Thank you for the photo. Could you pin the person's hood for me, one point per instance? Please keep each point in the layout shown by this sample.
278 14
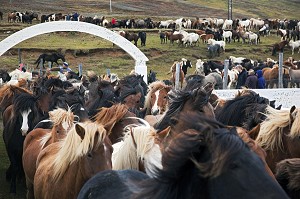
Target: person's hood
259 73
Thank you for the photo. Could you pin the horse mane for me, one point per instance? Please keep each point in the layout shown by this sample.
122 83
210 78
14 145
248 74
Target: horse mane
24 101
135 144
58 117
153 87
272 129
193 157
111 114
72 147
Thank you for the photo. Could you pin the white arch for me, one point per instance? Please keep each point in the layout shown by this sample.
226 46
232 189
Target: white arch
56 26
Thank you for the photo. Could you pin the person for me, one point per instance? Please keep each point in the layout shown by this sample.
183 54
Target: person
242 76
261 82
113 22
251 80
62 69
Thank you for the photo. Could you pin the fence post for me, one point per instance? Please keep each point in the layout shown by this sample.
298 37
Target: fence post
41 67
20 56
80 70
280 74
177 76
225 74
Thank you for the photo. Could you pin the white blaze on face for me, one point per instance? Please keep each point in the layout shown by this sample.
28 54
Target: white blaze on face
25 127
155 107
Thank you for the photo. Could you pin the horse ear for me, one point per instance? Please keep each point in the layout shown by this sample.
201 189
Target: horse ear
164 133
292 116
80 131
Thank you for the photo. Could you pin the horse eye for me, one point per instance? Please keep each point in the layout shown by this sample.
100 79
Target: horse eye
138 101
165 97
89 155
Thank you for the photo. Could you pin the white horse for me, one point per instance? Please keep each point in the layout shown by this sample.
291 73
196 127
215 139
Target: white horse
199 67
227 35
236 60
233 76
191 38
245 24
253 37
179 23
187 24
294 44
227 24
213 42
256 23
218 22
165 24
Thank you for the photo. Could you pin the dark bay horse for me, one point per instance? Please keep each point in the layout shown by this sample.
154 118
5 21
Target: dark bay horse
193 168
143 36
132 37
53 58
279 47
19 119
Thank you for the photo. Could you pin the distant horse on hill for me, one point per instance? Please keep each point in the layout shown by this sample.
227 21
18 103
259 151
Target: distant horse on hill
53 58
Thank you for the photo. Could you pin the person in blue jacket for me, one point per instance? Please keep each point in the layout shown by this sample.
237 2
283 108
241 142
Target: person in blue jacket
261 82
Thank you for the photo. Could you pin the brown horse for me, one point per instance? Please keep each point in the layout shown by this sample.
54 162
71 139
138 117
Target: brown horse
271 76
279 46
132 37
175 37
173 71
114 119
63 167
39 138
7 93
279 135
157 98
11 17
206 37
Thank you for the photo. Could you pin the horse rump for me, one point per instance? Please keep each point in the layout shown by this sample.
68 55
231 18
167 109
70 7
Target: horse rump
142 36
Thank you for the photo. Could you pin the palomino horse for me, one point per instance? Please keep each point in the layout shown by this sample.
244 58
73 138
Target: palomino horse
157 98
173 71
39 138
65 166
201 161
279 135
138 150
19 119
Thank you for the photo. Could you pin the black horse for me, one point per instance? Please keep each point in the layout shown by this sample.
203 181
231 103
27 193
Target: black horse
142 36
151 77
4 75
54 57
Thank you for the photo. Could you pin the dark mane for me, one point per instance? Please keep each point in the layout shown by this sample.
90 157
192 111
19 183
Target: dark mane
234 111
194 81
177 100
193 157
24 101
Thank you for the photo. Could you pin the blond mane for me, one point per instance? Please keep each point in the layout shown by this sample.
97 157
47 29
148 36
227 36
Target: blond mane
111 114
153 87
271 130
128 152
73 147
59 117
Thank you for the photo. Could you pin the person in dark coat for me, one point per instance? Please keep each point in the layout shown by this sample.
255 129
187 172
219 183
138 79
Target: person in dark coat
261 82
242 76
251 80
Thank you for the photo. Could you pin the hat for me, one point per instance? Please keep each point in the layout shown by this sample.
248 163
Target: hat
66 64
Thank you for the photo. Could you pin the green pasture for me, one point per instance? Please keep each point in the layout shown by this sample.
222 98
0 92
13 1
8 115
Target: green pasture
98 54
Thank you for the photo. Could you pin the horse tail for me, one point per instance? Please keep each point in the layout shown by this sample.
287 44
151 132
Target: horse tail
38 60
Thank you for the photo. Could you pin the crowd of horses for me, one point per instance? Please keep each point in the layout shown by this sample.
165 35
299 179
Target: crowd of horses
92 137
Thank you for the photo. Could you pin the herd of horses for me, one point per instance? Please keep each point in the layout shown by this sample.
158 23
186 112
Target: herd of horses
126 139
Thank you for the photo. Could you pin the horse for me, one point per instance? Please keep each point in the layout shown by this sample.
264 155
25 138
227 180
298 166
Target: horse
185 65
271 76
142 35
114 119
279 134
85 151
53 58
214 50
175 37
287 175
19 119
173 71
156 101
215 79
213 42
151 77
193 168
39 138
193 98
236 111
132 37
279 47
294 77
163 38
294 44
137 150
206 37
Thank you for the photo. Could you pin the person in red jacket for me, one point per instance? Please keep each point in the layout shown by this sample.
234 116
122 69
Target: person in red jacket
113 22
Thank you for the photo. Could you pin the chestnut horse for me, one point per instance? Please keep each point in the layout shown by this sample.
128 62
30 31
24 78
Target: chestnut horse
63 167
206 37
39 138
271 76
279 135
157 98
173 71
